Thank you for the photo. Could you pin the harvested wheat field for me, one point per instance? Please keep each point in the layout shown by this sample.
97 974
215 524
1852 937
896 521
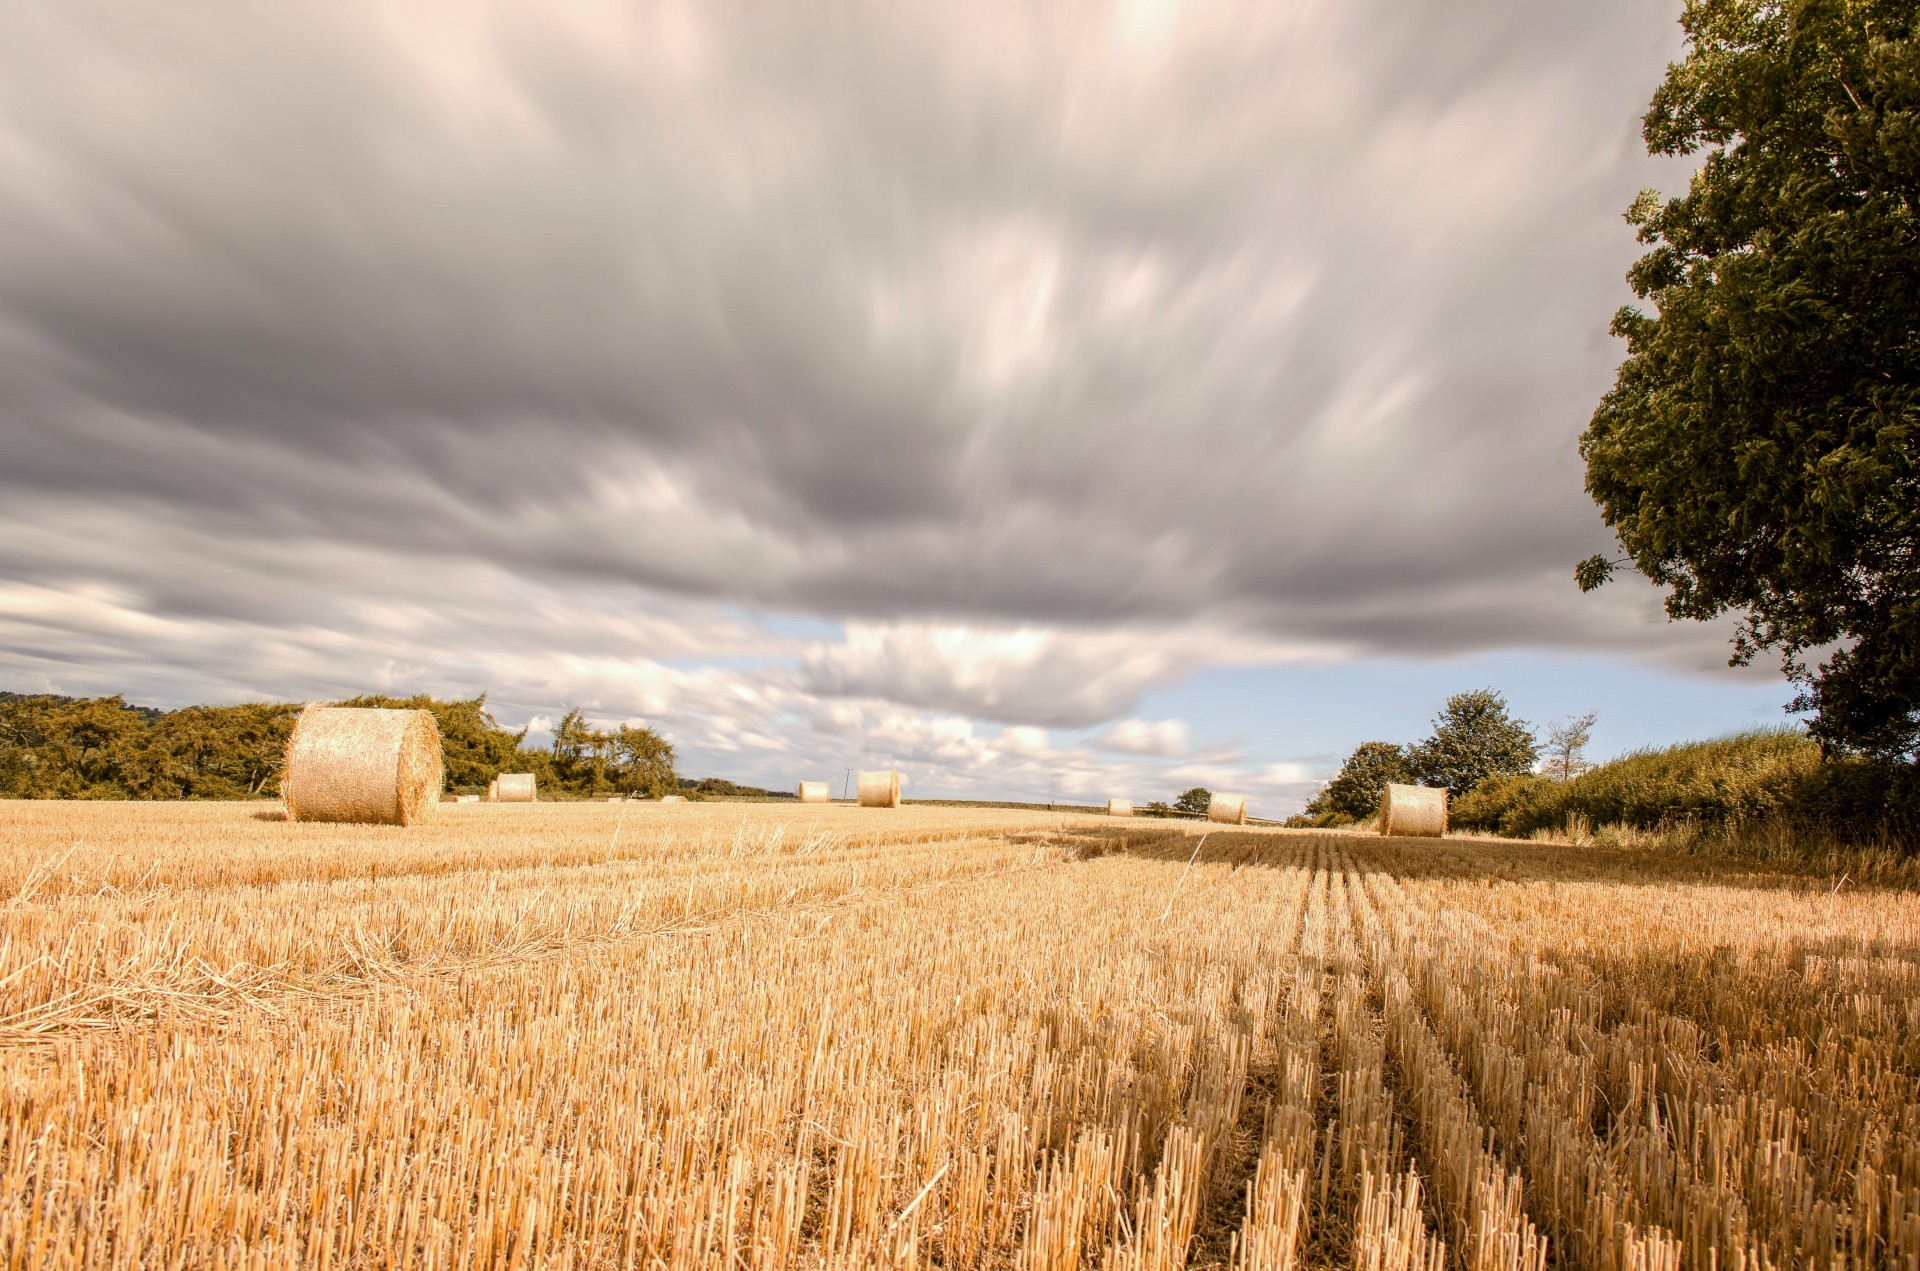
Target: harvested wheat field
592 1035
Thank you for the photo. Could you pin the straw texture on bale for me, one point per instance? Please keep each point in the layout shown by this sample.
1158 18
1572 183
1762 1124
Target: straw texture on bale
1413 812
880 789
514 787
1228 809
815 792
1119 807
362 764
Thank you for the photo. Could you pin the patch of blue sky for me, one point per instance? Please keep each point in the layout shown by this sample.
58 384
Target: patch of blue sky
1317 714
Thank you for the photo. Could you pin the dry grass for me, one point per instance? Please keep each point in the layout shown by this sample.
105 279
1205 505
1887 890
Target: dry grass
592 1035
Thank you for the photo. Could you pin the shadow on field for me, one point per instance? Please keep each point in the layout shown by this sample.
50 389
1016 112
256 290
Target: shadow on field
270 814
1488 860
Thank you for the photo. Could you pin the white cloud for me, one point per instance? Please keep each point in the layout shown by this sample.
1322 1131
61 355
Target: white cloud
1164 737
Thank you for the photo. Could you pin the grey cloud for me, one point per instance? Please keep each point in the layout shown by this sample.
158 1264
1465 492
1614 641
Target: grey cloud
1024 676
1276 323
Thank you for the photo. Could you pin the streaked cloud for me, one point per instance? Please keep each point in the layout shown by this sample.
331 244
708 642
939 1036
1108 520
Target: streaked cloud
1049 355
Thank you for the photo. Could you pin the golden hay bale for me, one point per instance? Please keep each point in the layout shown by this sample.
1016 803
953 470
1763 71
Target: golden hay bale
815 792
514 787
880 789
1119 807
1228 809
1413 811
493 790
362 764
673 798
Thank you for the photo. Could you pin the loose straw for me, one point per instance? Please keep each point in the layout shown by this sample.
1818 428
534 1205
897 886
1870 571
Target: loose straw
1183 875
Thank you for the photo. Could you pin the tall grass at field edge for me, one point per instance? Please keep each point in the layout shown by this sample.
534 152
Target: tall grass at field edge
1769 792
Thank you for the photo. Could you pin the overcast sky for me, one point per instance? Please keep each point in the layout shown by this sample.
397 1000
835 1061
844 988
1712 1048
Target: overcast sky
1104 398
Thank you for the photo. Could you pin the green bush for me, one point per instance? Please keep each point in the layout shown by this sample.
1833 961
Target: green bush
1776 775
1511 803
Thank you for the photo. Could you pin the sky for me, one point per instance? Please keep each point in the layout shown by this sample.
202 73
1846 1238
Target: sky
1058 400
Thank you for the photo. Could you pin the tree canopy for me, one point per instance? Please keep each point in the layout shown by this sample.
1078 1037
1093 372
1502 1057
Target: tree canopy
1198 799
1759 452
1473 738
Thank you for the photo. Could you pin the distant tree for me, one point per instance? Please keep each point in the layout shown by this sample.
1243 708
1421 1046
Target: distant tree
1759 452
1473 738
1155 808
1198 799
1354 792
642 762
1567 744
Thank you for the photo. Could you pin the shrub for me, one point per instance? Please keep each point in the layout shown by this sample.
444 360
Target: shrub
1775 775
1511 803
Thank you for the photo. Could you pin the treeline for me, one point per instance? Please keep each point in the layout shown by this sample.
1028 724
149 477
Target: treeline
102 748
1775 777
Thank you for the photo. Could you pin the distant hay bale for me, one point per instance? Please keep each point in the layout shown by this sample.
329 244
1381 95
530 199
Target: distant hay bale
880 789
514 787
468 798
493 790
673 798
815 792
1413 812
1119 807
1228 809
362 764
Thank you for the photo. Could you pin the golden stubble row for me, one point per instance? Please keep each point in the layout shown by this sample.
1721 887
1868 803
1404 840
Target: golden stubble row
896 1078
51 848
1652 1139
1042 1046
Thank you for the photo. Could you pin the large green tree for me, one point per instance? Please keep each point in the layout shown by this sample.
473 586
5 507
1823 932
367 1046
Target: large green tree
1473 738
1759 452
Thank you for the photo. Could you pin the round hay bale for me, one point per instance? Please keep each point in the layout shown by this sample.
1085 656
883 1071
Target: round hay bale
1228 809
1413 812
362 764
1119 807
514 787
880 789
673 798
815 792
493 790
